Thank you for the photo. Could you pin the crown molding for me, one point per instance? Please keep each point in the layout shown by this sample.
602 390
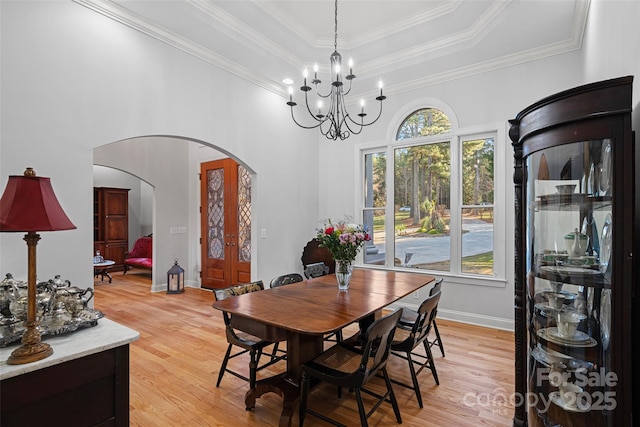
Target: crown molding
471 35
403 25
486 66
246 32
366 38
125 17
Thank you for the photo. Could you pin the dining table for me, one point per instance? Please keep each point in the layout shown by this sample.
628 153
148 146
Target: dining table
303 313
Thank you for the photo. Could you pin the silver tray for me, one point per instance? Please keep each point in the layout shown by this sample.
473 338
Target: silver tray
11 331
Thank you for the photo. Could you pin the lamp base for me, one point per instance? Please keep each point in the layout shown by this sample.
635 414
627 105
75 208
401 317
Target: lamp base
32 349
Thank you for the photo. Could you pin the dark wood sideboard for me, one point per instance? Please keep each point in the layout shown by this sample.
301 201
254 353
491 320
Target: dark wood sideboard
83 389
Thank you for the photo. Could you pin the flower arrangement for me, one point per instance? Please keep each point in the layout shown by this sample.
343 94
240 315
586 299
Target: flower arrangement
343 240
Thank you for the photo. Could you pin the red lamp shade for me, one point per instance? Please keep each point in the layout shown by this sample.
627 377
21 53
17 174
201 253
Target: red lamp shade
29 205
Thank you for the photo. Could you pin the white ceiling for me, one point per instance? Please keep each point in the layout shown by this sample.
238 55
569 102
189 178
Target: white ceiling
406 43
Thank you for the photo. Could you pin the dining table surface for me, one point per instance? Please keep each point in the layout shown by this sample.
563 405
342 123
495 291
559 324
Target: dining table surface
303 313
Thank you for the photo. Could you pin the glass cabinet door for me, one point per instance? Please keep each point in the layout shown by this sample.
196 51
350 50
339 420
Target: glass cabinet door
568 233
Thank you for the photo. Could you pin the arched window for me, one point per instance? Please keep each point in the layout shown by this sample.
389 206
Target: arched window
436 211
424 122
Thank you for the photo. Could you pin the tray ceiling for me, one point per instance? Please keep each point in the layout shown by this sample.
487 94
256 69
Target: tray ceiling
407 44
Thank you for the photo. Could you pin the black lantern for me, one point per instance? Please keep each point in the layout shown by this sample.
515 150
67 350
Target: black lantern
175 279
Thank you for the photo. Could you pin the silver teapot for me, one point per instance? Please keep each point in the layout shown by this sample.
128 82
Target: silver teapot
18 299
6 291
74 299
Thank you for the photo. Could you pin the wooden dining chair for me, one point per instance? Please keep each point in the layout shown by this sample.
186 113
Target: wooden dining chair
247 343
409 337
409 317
285 279
316 269
313 252
346 366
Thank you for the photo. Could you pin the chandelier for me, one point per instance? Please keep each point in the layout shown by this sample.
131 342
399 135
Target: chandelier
335 122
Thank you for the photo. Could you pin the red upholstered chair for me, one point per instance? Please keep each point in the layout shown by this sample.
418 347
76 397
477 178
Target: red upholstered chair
141 255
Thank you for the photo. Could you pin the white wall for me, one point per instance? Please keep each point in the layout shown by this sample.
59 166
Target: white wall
612 44
73 80
146 209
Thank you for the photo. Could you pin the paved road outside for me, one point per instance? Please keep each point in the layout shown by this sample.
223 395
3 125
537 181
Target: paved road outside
477 239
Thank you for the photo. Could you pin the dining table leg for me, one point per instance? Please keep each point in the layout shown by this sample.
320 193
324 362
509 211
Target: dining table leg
300 349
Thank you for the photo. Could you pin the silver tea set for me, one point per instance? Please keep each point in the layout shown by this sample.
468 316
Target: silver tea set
60 308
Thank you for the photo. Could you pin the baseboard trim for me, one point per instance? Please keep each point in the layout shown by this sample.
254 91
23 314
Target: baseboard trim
470 318
477 319
162 287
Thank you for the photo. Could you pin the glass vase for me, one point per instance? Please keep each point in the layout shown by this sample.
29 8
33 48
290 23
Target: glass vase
343 273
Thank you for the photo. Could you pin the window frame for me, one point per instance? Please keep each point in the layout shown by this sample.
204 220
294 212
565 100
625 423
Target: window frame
456 137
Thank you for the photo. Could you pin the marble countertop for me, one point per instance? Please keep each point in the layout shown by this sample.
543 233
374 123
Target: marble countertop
106 335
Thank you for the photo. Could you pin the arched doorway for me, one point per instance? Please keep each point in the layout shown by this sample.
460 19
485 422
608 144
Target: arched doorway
171 165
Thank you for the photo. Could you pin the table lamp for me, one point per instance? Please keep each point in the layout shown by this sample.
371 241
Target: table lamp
30 205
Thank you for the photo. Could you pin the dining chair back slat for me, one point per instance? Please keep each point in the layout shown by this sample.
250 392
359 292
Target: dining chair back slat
316 269
285 279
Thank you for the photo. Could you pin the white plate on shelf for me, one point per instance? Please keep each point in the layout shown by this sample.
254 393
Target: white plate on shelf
550 357
605 317
544 308
569 269
580 340
605 244
605 170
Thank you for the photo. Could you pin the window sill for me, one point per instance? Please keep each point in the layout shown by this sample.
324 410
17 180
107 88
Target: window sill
474 280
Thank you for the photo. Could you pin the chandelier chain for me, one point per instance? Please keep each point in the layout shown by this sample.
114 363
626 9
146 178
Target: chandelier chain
335 39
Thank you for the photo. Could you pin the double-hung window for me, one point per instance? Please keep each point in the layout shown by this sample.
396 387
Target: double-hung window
429 198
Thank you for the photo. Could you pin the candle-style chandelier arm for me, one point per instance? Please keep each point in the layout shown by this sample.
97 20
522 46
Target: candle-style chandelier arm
361 123
335 85
306 126
319 118
321 95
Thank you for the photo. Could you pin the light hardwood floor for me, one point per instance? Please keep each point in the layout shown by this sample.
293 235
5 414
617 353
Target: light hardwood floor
174 367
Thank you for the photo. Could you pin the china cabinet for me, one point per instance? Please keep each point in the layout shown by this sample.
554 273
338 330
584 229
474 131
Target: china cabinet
111 224
576 234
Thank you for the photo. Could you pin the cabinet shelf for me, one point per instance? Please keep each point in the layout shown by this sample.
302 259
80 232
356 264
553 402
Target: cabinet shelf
572 202
551 358
573 275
